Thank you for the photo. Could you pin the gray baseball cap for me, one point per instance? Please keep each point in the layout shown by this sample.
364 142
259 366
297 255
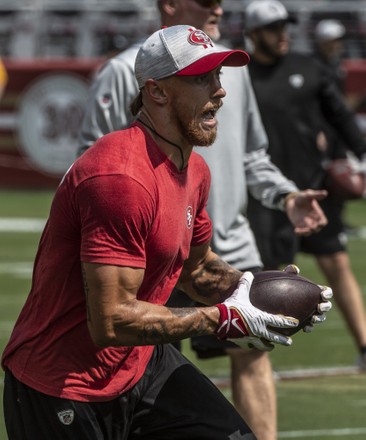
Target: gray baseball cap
182 50
260 13
327 30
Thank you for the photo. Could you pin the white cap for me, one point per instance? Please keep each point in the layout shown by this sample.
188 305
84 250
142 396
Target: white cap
327 30
260 13
182 50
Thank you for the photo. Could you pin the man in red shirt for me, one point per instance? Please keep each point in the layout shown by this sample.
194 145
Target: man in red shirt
89 357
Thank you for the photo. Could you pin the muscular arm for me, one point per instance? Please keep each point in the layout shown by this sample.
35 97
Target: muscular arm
207 278
116 317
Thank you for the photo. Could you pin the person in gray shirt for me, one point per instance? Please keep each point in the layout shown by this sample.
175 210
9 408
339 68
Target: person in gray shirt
239 163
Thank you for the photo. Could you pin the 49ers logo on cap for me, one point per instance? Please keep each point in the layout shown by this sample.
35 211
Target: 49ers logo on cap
199 38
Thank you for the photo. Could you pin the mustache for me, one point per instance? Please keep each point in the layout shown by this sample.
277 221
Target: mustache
213 107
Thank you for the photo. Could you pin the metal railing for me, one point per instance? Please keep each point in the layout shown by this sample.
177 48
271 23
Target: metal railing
91 28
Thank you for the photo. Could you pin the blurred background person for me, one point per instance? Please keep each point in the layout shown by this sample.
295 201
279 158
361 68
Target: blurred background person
3 78
298 101
329 48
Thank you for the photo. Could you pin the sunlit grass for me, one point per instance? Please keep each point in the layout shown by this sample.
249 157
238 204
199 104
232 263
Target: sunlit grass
319 403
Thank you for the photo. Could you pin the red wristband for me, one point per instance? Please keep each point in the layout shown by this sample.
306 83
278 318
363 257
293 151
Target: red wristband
231 323
224 322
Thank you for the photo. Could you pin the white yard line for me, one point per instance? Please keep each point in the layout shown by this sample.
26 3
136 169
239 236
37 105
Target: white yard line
23 269
21 224
319 433
305 373
309 373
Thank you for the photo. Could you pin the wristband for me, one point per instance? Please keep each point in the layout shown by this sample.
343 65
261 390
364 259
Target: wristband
231 323
284 200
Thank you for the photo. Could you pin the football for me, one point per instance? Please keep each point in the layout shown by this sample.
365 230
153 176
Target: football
343 181
286 293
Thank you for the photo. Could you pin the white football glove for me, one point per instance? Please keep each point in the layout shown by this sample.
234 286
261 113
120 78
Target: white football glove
245 324
323 307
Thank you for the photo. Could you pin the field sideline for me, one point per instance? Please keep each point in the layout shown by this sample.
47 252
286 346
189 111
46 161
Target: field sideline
321 394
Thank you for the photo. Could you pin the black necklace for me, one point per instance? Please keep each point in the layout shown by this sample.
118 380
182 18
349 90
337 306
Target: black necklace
166 140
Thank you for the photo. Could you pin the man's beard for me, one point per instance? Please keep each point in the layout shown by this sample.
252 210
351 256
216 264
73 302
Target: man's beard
197 137
267 50
191 129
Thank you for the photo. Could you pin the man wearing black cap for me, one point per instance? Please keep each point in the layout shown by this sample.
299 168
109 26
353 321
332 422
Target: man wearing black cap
298 101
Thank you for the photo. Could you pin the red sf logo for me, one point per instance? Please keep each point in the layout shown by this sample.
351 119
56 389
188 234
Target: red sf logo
199 38
189 217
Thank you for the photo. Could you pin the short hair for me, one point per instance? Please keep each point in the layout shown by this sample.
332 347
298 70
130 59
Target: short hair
136 104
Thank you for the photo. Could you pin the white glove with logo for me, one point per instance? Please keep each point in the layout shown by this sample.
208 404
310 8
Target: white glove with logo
245 324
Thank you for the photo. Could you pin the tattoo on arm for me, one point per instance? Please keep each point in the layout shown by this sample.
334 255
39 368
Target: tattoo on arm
163 332
216 278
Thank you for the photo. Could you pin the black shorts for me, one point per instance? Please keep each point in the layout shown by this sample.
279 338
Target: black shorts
205 347
277 242
173 400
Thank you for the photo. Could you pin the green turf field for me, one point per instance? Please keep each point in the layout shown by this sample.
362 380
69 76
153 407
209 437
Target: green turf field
322 406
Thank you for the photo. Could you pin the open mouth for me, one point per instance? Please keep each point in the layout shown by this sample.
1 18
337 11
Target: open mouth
209 115
209 120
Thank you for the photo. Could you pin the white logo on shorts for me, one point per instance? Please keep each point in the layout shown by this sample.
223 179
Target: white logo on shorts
296 80
66 417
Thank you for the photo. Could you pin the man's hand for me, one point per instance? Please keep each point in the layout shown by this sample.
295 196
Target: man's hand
245 324
303 210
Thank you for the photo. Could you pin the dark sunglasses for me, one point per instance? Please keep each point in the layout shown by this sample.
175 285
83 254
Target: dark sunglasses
208 3
278 26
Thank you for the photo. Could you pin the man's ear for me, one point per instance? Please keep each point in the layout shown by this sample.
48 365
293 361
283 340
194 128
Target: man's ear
156 91
168 6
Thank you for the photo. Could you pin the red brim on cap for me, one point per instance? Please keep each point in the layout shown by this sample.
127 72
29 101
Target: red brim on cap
232 58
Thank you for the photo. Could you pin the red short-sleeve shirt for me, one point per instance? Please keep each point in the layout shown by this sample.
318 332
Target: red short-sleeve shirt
122 203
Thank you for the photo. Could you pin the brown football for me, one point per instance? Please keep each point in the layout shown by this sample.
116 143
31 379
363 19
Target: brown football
344 183
286 293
